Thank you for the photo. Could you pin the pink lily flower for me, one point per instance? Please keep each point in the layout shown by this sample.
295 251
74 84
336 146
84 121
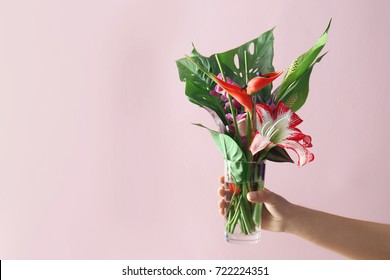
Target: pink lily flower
278 127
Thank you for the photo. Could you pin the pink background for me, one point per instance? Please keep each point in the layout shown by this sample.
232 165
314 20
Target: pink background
98 157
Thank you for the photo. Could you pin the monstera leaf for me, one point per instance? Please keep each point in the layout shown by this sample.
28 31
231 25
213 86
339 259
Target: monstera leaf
240 64
250 58
198 85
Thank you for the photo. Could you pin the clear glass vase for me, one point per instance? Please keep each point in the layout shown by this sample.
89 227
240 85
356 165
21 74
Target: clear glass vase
243 218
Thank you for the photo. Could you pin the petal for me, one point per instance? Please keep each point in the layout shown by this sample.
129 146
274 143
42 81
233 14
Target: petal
257 83
281 109
264 112
229 117
218 89
236 92
304 155
295 134
233 188
241 124
224 98
241 116
259 143
307 141
236 104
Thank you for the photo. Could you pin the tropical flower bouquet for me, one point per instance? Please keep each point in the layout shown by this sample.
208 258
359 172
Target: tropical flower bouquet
254 123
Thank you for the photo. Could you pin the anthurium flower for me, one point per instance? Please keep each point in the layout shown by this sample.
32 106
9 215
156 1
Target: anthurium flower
259 82
278 127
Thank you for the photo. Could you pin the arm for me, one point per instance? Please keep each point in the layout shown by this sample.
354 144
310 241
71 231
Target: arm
353 238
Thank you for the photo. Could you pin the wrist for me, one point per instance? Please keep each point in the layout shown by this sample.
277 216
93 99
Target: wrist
295 214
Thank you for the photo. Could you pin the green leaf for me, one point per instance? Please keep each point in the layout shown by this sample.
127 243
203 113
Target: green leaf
300 65
296 95
226 145
253 56
231 151
259 54
198 85
278 154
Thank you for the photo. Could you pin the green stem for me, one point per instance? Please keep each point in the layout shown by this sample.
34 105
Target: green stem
246 68
232 109
249 156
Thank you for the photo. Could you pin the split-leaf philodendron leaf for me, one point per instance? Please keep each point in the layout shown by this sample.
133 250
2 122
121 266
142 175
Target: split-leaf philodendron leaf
239 64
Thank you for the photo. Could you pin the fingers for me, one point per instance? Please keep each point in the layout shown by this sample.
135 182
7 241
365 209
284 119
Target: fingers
222 206
260 196
221 191
222 211
222 203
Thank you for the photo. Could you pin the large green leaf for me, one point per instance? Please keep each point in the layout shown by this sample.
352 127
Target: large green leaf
300 65
198 84
295 96
226 145
253 56
232 152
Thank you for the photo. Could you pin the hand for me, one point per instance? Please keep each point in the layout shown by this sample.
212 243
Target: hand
276 213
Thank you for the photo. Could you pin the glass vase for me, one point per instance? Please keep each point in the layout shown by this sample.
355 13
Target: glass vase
243 218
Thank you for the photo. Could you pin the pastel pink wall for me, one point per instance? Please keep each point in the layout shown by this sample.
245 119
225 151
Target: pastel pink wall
98 157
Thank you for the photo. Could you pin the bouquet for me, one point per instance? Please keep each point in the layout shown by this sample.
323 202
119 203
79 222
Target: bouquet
255 123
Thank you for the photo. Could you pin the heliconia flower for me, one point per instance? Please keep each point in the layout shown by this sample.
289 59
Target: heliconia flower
278 128
240 94
223 94
220 90
236 92
259 82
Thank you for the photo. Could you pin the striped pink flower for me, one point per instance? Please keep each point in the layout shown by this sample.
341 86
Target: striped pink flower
278 127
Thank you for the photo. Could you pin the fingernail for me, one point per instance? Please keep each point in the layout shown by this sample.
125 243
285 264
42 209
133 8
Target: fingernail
251 196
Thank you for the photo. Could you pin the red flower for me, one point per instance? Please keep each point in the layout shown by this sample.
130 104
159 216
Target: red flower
233 188
278 127
236 92
242 95
254 85
259 82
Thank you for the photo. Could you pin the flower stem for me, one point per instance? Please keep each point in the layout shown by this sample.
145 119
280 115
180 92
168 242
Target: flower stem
232 109
246 68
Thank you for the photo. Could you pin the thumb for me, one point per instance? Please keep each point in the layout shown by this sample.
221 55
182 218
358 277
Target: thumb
259 196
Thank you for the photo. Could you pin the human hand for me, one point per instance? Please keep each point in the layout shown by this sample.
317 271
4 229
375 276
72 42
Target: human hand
276 213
